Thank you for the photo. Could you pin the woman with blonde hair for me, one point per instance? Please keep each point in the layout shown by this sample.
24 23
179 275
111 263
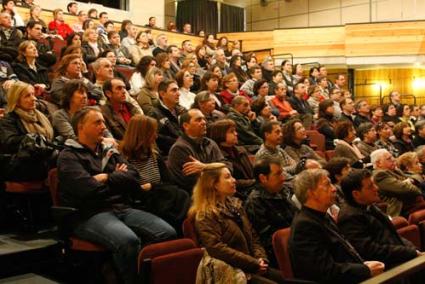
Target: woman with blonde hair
22 123
91 45
409 164
223 228
28 70
158 195
148 96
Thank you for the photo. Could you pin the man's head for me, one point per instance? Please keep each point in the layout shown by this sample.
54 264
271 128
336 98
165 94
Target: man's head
5 20
314 189
367 133
347 105
152 22
323 72
335 95
420 151
241 104
299 89
114 38
88 125
220 56
58 15
114 89
103 17
255 72
340 80
280 90
102 68
362 107
359 188
162 41
34 30
187 46
169 93
395 97
269 173
272 133
193 123
82 16
420 129
72 8
187 28
382 160
173 52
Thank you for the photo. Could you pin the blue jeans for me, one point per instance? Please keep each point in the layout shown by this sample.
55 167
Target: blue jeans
119 232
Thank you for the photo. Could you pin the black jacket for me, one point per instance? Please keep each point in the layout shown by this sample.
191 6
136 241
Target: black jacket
373 235
403 146
29 75
269 213
168 126
320 253
78 164
359 119
418 141
300 105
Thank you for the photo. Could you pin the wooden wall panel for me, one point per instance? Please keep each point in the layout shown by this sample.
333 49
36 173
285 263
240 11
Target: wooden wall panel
382 39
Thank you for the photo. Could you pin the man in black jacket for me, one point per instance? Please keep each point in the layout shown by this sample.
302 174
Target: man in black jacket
317 249
166 113
366 227
97 180
268 206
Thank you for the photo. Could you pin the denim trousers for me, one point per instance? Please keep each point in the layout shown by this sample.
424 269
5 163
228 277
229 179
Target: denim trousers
124 232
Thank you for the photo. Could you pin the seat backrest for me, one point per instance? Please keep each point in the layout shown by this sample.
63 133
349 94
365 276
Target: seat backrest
330 154
317 138
280 248
411 233
173 261
417 216
189 230
399 222
179 267
53 186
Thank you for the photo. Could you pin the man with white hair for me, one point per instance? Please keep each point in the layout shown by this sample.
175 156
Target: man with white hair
220 59
317 249
396 189
161 44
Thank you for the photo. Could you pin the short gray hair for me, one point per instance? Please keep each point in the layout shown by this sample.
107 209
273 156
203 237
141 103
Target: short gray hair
96 65
376 156
307 180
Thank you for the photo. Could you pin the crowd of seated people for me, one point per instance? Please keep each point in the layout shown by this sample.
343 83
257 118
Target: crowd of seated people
209 123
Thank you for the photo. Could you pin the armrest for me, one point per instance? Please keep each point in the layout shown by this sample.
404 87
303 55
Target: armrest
62 213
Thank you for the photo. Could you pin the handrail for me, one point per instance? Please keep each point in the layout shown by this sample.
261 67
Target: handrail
401 97
399 272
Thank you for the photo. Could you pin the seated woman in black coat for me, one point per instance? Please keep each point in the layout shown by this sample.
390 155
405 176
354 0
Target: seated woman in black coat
158 195
223 132
28 70
403 135
326 123
23 118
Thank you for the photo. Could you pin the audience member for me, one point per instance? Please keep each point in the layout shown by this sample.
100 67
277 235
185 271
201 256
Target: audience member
35 13
344 146
368 229
223 132
340 82
231 89
409 164
9 7
395 98
189 156
272 134
348 110
281 104
58 25
166 112
403 138
367 134
255 74
185 81
101 195
300 105
268 206
10 37
82 17
92 13
338 168
121 52
91 46
287 76
420 134
151 23
399 192
72 8
22 124
390 114
326 123
158 195
384 141
223 227
46 57
137 79
130 39
377 114
317 249
294 139
161 44
148 96
362 112
141 48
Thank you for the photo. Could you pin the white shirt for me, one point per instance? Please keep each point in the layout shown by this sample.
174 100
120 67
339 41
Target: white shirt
187 98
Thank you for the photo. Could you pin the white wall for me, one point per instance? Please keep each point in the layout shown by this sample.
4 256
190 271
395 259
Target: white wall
139 12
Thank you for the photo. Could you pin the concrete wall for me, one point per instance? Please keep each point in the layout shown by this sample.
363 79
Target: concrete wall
139 10
312 13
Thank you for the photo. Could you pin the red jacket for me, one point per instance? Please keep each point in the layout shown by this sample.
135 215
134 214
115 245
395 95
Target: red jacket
227 97
61 28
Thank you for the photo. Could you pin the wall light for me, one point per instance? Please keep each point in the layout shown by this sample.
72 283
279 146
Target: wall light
418 83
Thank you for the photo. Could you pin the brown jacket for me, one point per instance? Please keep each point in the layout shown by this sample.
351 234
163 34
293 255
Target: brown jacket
114 122
223 239
147 99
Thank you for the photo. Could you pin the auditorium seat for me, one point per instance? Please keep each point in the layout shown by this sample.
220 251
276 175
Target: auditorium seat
418 218
330 154
316 139
399 222
411 233
280 247
189 230
170 262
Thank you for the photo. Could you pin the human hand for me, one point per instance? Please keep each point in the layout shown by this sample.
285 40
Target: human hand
121 167
193 166
102 178
419 253
7 84
293 112
263 266
375 267
251 115
272 118
146 186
